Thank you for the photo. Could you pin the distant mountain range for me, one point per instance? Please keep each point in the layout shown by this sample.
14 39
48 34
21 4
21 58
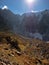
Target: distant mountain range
25 24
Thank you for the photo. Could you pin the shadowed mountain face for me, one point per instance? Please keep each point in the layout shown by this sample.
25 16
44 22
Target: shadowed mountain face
26 23
30 22
8 18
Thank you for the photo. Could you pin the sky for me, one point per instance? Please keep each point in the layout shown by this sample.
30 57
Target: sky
20 6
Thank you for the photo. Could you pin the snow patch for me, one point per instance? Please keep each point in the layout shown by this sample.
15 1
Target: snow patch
34 11
4 7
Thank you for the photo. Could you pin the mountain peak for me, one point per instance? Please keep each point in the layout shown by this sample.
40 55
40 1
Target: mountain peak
4 7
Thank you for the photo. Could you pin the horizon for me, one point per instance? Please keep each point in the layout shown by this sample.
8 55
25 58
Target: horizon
5 7
21 6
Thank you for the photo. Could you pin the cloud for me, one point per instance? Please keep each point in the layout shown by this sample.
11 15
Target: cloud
4 7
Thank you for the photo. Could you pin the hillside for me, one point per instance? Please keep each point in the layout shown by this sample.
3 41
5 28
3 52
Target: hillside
19 50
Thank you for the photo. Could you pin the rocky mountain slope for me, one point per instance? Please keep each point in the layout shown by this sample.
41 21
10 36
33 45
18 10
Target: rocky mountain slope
26 23
19 50
8 20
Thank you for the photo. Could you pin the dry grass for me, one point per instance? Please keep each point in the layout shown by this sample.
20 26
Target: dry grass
31 53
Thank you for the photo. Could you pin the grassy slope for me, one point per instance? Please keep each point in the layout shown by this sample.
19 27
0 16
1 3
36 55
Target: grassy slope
33 52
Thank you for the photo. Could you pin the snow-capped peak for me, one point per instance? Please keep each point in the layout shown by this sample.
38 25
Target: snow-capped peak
4 7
